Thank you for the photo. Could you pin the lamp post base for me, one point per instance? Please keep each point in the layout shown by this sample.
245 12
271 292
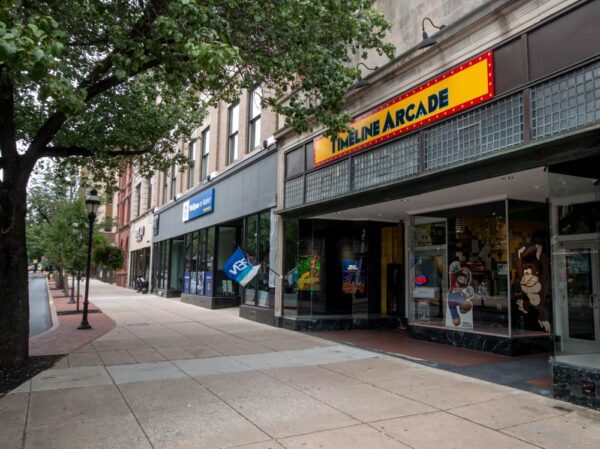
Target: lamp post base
84 325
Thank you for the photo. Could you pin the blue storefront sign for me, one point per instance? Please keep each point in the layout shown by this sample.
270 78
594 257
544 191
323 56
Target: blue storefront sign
201 204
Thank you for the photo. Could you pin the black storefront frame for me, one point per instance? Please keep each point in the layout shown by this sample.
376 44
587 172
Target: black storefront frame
207 261
161 268
204 259
258 254
145 256
361 240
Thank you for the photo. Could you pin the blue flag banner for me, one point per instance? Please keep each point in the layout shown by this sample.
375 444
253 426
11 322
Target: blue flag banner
239 269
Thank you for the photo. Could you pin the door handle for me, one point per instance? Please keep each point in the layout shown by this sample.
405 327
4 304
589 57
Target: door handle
593 304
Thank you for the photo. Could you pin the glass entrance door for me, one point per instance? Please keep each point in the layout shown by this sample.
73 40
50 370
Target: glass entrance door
576 269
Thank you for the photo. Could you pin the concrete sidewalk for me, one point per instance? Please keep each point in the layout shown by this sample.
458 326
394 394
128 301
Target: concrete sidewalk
172 375
529 372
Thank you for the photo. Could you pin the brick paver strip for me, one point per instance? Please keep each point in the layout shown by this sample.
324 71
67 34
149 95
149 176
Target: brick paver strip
66 338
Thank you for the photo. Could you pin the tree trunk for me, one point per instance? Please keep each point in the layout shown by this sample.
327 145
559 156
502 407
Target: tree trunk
65 276
59 279
14 288
14 282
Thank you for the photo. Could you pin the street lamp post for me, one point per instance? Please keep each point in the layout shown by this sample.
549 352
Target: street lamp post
78 281
92 202
72 300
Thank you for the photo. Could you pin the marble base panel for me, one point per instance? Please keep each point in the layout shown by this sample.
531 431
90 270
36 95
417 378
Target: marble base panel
481 342
209 302
337 323
167 293
262 315
568 384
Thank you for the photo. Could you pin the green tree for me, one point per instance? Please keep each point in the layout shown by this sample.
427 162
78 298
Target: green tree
49 195
95 81
110 257
64 239
36 243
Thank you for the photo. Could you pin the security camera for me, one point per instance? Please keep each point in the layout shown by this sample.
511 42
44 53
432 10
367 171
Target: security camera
269 141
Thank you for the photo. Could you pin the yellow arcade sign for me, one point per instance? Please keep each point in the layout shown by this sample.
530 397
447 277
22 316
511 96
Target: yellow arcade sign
458 89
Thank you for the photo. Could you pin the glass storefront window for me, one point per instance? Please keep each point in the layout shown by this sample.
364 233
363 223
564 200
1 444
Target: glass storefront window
575 215
354 271
530 286
311 280
226 244
187 279
185 263
210 249
582 218
250 248
429 266
257 235
327 268
164 263
459 276
155 266
202 249
195 288
263 242
177 264
140 263
290 278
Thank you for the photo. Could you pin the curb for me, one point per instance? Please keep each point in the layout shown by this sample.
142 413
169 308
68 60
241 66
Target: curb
53 314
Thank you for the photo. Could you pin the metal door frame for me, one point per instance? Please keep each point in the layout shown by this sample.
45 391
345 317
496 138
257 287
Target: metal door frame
575 345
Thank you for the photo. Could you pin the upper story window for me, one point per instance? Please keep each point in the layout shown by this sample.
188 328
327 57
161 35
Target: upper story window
173 181
138 199
165 187
149 194
192 163
127 216
255 109
204 156
108 225
234 127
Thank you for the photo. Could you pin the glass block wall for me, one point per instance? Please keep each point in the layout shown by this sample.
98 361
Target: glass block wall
486 130
294 192
561 104
567 102
329 182
387 163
